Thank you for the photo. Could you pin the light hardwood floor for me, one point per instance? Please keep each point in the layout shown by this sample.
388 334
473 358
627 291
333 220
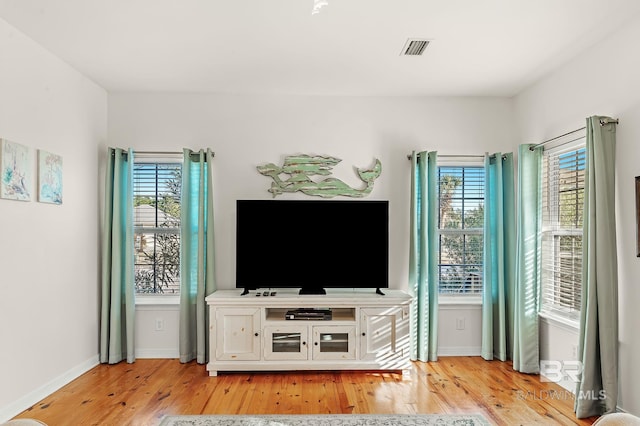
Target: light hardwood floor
141 393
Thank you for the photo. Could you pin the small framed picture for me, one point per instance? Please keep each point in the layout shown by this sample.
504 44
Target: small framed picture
637 216
49 177
16 171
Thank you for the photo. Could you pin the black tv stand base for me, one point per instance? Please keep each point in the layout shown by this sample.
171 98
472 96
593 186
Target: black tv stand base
378 291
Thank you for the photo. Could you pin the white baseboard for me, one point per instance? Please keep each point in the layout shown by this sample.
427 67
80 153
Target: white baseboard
47 389
157 353
460 351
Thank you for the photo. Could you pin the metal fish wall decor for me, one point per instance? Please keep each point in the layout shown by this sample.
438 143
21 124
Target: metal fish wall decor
300 168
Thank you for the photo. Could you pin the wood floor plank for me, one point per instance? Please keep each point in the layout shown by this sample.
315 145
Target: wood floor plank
258 390
141 393
282 402
232 397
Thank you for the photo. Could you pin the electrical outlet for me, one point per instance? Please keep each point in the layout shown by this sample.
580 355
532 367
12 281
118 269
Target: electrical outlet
159 324
460 323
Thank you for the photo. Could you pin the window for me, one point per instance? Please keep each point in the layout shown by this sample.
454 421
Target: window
563 175
460 224
156 206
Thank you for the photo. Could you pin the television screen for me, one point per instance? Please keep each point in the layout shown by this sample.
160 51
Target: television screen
312 245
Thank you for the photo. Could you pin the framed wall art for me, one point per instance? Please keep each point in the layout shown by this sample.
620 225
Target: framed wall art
16 171
49 177
637 216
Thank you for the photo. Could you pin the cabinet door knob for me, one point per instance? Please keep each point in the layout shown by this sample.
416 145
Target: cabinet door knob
304 343
256 334
316 343
364 334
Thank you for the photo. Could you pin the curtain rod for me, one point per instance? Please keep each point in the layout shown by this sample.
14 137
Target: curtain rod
459 156
213 154
603 121
157 152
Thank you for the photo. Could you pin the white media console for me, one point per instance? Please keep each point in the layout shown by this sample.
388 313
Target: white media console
365 331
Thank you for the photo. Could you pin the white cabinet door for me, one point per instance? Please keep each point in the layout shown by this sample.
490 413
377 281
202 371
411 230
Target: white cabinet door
238 334
379 332
334 342
287 342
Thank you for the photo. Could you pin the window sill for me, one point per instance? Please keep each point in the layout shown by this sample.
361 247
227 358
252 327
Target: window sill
157 300
475 300
571 325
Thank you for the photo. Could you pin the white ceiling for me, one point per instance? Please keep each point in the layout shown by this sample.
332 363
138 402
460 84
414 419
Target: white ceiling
351 47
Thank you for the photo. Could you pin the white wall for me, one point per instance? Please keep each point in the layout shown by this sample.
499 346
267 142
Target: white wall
48 253
602 81
459 329
247 131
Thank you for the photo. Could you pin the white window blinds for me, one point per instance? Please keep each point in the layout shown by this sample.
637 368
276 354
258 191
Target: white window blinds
563 182
461 221
156 201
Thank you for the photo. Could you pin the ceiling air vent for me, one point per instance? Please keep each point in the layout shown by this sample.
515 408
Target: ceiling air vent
414 47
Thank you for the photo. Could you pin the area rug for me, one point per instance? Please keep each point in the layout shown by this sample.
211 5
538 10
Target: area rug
328 420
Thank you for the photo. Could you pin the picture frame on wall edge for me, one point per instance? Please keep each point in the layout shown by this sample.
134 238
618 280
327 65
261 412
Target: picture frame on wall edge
637 216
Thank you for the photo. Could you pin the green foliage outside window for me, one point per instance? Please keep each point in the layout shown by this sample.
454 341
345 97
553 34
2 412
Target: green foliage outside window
461 201
157 236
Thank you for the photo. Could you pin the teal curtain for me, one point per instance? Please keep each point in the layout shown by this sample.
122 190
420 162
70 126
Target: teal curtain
423 262
526 351
499 257
118 300
597 391
197 254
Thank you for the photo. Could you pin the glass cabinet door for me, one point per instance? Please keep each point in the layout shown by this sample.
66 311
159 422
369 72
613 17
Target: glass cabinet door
334 342
287 342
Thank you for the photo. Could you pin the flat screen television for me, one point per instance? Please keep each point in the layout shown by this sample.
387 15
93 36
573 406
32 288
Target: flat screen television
312 244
